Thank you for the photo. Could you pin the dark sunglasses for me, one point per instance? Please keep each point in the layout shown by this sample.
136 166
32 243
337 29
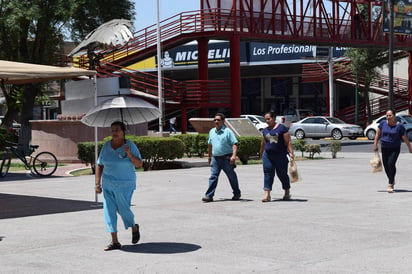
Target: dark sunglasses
218 120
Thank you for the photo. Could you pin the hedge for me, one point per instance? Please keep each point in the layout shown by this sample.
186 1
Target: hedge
248 146
195 144
6 136
155 151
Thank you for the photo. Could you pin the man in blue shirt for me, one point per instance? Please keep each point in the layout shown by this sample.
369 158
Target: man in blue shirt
222 149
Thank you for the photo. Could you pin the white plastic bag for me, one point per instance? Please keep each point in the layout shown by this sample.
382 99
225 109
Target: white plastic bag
376 163
294 175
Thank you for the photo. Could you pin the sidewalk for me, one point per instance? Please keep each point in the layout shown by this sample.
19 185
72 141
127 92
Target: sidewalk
340 220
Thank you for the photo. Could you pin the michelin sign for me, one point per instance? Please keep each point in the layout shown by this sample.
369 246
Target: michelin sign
250 52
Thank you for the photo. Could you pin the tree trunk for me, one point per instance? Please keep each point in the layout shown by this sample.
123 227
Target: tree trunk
29 95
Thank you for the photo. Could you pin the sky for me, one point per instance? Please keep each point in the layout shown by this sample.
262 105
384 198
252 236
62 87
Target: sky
146 10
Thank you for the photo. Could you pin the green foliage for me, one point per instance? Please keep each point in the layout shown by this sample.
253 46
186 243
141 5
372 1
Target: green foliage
195 144
85 153
34 32
299 145
155 151
312 149
86 19
248 146
334 146
6 136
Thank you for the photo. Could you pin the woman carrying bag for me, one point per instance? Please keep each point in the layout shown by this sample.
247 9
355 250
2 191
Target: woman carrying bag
274 149
390 133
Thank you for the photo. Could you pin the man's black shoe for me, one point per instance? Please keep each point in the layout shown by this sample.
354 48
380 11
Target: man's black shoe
236 197
207 199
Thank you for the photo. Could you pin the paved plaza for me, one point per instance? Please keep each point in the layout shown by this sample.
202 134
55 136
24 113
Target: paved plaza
340 220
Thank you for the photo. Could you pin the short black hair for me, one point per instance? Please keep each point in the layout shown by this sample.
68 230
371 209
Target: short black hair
221 115
119 123
271 114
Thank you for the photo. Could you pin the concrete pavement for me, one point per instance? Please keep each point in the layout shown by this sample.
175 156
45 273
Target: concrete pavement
340 220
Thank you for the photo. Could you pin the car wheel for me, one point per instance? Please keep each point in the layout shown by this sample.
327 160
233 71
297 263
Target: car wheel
409 135
299 134
336 134
371 134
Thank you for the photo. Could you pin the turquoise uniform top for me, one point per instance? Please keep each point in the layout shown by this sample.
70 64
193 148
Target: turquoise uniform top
118 171
222 141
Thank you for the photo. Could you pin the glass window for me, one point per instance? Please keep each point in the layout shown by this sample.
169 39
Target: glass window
309 121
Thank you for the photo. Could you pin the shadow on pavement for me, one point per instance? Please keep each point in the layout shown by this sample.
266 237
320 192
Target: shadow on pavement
15 206
291 200
161 248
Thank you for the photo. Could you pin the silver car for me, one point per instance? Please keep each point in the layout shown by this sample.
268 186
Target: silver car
324 126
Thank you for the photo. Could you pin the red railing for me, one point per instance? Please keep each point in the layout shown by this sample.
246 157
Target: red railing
312 25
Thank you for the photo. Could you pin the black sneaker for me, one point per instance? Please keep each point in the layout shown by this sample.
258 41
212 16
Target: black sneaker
236 197
207 199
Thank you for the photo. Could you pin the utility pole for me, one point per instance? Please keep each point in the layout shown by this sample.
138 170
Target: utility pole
390 94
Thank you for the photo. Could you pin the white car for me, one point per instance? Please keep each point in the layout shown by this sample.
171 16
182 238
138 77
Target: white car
406 120
257 120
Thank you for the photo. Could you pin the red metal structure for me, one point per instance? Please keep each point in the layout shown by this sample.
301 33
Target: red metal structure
312 22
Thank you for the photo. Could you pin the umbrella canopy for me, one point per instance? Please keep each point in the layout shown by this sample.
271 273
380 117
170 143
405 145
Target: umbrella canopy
23 73
113 33
129 110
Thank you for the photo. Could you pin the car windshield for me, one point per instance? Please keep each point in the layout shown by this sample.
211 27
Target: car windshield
407 118
334 120
261 118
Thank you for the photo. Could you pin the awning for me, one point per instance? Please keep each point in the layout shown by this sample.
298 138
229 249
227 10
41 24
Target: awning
24 73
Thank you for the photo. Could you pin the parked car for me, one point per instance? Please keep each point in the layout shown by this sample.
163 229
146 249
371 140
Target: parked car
324 126
257 120
293 115
406 120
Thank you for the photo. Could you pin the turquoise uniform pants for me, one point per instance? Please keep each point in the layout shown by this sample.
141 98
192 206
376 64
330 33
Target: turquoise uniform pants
114 202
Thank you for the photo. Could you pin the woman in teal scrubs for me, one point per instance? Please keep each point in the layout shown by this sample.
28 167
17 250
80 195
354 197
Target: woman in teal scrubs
116 178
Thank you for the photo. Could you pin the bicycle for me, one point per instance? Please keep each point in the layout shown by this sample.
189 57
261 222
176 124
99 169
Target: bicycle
44 164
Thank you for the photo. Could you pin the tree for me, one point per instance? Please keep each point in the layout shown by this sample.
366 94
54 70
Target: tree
33 31
364 63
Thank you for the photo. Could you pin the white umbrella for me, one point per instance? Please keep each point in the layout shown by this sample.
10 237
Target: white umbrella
113 34
129 110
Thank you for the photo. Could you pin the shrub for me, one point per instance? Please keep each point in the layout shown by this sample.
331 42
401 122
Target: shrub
248 146
85 153
334 146
201 145
299 145
155 151
195 144
6 136
312 149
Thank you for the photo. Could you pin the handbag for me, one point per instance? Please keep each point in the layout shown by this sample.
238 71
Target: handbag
376 163
293 171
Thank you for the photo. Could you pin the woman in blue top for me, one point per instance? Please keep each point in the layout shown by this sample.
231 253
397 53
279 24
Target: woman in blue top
390 132
274 148
116 177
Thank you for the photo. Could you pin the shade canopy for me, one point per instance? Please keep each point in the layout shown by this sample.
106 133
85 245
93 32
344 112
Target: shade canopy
24 73
110 34
129 110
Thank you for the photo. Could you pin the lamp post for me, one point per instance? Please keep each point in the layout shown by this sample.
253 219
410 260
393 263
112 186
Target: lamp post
390 94
159 70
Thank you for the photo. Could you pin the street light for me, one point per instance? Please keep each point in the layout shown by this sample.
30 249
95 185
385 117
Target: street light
390 94
159 70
